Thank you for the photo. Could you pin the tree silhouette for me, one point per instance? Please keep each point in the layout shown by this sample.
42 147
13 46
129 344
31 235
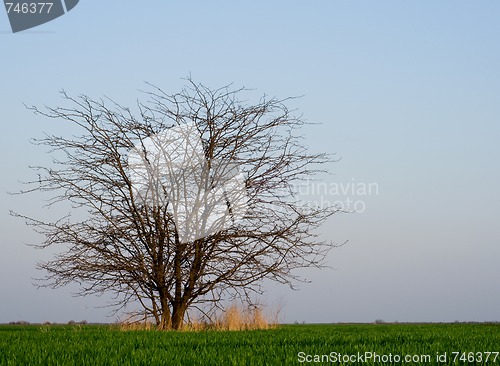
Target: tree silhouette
188 201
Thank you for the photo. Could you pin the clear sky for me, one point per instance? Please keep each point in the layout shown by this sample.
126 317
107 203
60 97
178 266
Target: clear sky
407 94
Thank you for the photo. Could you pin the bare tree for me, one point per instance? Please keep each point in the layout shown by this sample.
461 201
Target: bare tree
191 202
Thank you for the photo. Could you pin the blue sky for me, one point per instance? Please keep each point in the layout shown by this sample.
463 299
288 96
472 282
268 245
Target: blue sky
407 94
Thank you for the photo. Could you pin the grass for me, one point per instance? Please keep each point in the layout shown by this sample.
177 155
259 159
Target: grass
285 345
232 318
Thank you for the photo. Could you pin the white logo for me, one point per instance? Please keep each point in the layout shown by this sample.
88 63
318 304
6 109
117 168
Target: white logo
169 170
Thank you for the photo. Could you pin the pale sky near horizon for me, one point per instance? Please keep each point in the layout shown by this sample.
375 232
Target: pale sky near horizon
407 94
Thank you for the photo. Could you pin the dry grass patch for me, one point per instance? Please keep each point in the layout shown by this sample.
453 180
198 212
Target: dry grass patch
232 318
238 318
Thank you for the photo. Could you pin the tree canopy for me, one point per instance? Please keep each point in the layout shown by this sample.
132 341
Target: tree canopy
185 202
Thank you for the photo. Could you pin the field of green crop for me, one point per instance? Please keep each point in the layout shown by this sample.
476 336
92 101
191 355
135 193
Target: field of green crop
368 344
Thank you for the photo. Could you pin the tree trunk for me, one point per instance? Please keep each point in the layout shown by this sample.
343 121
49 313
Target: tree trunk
165 320
178 316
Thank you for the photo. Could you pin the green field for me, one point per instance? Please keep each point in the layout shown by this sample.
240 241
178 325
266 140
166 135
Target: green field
286 345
